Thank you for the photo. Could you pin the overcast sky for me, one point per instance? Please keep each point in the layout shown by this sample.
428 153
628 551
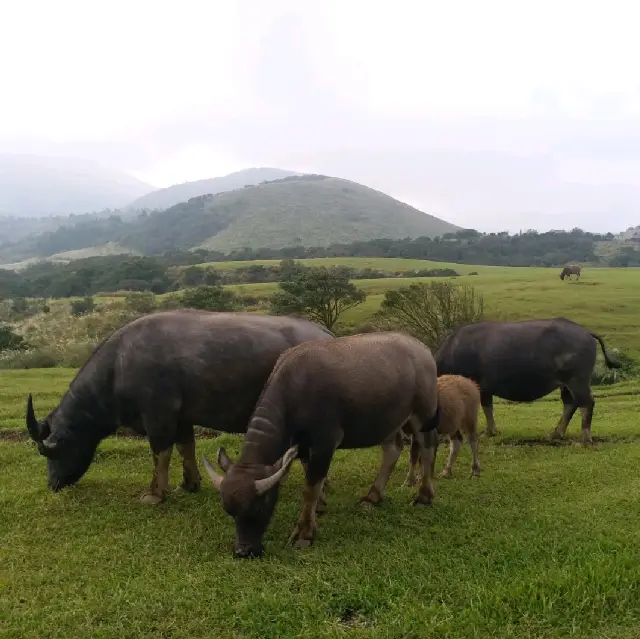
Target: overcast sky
174 91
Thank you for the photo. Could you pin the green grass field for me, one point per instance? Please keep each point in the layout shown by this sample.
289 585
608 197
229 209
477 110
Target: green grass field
607 300
546 543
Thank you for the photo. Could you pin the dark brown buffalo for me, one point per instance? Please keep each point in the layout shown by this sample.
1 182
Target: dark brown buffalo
351 392
524 361
571 269
160 375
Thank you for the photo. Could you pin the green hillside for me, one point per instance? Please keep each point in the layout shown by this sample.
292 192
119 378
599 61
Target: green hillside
309 210
316 211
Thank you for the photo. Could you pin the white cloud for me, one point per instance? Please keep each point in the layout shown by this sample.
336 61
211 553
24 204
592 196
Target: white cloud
181 91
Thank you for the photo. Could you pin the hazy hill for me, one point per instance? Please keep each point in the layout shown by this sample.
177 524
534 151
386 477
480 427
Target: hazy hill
172 195
40 186
308 210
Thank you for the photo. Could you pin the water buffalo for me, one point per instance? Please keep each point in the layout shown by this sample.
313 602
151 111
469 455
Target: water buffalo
524 361
160 375
351 392
571 269
459 404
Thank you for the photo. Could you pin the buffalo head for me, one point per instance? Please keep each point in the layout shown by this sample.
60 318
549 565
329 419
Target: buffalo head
249 494
68 454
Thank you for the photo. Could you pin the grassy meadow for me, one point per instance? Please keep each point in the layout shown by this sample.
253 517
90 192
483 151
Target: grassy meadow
606 300
546 543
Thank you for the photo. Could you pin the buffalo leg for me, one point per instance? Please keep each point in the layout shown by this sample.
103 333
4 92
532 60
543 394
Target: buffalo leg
455 443
321 505
586 403
315 473
569 408
186 446
391 450
429 441
486 399
159 486
473 443
414 462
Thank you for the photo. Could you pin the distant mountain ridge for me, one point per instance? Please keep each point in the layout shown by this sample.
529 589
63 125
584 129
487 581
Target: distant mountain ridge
296 210
172 195
34 186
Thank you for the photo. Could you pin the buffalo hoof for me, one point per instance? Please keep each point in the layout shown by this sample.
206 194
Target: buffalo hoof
410 481
321 508
248 553
475 473
302 536
490 433
447 473
300 544
423 500
151 499
190 487
371 499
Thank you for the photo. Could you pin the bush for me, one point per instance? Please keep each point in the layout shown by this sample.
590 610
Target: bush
140 302
28 359
10 341
604 376
430 311
208 298
82 307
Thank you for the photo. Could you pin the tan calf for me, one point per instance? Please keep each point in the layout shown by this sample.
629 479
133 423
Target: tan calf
459 401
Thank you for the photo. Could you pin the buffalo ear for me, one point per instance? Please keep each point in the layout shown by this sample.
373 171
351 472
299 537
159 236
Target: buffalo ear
223 460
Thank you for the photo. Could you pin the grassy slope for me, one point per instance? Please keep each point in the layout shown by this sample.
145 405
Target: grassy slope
604 299
545 544
315 213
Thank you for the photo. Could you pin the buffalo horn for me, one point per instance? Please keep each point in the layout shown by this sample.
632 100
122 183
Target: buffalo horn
263 485
215 478
32 423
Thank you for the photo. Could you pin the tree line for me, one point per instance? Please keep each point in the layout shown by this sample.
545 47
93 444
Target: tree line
162 273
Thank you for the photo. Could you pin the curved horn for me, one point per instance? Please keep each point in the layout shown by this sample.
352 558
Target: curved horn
215 478
32 422
263 485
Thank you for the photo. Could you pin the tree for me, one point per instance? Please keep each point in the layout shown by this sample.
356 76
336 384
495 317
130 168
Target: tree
83 307
142 302
319 293
430 311
9 340
208 298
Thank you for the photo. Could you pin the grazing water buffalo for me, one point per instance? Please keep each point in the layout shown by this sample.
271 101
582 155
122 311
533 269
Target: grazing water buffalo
160 375
351 392
571 269
524 361
459 403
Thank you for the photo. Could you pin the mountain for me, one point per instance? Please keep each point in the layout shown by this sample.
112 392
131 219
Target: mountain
172 195
33 186
307 210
